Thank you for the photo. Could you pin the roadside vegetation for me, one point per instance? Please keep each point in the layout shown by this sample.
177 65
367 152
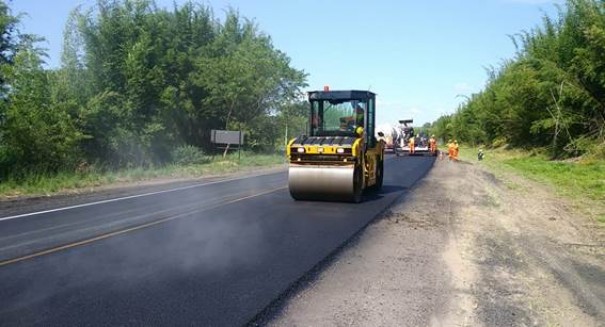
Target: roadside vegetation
36 183
550 96
541 114
580 180
139 88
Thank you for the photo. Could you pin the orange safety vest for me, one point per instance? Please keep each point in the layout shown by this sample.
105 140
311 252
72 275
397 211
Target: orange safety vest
450 148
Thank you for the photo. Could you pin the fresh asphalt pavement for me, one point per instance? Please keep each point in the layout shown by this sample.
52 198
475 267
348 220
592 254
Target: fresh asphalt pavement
213 254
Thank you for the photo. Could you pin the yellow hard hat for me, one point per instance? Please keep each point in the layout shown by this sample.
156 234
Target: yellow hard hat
359 130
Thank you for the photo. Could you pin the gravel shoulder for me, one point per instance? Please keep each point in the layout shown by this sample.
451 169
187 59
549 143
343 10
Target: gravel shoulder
463 248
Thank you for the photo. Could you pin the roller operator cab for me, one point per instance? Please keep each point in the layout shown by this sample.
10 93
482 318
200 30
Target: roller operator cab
341 157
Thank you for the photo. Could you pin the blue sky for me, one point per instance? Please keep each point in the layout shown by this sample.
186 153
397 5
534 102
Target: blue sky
420 57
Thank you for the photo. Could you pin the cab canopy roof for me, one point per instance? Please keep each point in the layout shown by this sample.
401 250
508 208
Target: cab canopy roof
341 95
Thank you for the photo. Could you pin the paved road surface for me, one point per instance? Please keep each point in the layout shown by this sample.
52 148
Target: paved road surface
208 254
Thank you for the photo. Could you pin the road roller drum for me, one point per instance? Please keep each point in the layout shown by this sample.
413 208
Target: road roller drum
323 183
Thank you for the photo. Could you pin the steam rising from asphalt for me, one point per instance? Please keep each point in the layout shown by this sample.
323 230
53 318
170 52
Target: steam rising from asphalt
201 244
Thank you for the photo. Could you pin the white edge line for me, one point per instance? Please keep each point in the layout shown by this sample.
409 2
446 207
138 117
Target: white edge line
127 197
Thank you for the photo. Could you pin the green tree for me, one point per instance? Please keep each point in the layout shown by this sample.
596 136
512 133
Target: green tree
552 94
36 135
8 36
245 77
137 82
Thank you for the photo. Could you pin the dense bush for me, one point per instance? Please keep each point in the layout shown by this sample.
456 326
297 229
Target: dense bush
189 155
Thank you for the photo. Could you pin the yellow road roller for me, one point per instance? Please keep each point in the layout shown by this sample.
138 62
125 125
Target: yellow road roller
340 157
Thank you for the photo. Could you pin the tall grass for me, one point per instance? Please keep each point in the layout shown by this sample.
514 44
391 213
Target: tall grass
570 178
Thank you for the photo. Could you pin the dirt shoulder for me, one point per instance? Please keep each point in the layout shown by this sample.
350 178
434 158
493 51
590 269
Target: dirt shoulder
463 249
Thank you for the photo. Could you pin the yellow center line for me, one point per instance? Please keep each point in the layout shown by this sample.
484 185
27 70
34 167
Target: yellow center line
128 230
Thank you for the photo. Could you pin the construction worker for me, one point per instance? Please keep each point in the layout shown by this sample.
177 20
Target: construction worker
433 145
450 150
359 115
411 144
315 121
456 149
353 122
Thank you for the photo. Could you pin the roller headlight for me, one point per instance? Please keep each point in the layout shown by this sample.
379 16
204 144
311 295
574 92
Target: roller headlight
340 150
301 150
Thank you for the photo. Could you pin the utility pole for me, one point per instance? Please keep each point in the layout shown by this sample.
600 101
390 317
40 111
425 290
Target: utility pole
286 133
